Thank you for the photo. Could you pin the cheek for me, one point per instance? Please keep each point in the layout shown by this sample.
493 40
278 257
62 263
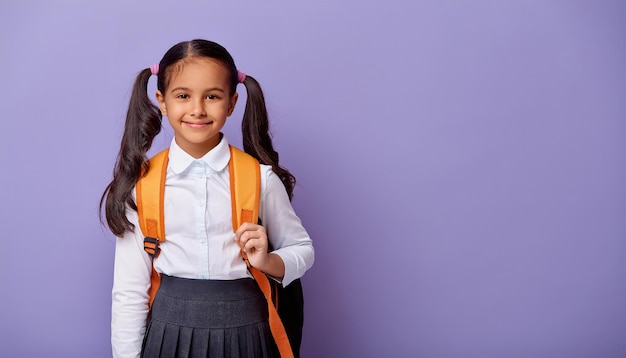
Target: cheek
174 110
166 108
171 122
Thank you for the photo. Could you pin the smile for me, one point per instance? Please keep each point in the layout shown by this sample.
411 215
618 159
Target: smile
197 124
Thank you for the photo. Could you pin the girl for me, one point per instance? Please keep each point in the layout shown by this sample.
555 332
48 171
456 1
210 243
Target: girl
207 304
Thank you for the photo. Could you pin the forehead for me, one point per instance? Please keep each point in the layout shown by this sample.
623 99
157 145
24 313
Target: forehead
198 73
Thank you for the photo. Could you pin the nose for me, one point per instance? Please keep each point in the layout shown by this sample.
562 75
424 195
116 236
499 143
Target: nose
197 109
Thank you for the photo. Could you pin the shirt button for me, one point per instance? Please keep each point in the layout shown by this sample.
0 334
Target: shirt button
201 204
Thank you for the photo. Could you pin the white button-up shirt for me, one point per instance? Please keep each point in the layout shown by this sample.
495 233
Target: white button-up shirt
199 238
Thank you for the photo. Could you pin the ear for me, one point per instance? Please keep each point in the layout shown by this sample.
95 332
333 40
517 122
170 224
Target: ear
233 102
161 100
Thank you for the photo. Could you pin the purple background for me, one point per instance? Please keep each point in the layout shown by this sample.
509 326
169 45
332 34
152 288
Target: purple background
461 167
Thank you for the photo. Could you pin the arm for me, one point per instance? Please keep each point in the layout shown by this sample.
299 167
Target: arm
293 249
131 281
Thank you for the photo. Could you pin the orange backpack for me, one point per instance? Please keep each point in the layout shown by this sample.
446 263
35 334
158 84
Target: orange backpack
245 188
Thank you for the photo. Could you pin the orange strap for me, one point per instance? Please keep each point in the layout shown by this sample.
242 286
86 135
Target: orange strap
150 212
245 198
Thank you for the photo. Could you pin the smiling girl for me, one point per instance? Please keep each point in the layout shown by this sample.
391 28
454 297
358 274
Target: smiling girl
208 304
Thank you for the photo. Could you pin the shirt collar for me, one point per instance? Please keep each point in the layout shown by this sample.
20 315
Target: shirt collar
216 159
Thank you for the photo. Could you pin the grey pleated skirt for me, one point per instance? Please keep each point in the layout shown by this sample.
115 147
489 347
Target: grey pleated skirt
208 318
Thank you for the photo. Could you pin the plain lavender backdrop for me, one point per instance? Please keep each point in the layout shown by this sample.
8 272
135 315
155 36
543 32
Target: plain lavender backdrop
461 167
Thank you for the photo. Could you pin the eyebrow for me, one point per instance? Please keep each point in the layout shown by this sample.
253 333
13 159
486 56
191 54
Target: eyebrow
206 90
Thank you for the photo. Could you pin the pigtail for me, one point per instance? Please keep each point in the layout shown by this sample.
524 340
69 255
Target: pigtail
143 123
256 137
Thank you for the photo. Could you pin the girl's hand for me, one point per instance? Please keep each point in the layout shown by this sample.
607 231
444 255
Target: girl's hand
252 239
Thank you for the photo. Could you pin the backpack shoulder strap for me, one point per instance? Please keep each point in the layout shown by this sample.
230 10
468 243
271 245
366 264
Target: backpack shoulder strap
149 191
245 187
149 195
245 196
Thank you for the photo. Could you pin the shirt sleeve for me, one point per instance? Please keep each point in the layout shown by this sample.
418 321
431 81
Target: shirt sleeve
284 228
131 281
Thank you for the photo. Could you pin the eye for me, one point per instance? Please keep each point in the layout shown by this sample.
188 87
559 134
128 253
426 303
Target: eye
212 96
183 96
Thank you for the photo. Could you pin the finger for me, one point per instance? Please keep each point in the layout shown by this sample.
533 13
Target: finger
254 244
244 237
246 227
249 227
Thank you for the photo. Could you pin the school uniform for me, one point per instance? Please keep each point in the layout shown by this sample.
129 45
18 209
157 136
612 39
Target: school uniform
201 266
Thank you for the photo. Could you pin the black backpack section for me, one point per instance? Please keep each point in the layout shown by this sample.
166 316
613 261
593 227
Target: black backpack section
291 311
290 308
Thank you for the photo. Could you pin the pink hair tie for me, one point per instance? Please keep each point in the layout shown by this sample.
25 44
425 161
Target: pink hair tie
241 76
154 69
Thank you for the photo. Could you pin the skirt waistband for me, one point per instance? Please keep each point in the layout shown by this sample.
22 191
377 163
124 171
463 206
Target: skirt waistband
209 303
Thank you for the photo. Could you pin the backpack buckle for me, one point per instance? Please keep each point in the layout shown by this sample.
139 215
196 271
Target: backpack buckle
151 245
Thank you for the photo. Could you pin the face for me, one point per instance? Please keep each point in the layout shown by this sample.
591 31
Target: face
197 102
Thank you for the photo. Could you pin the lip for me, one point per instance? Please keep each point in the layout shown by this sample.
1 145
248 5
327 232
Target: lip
197 124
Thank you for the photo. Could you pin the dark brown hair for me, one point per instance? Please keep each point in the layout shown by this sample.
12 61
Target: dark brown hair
143 123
